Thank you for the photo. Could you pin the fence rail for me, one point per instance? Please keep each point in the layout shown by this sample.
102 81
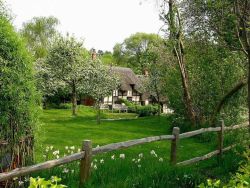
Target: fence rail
87 152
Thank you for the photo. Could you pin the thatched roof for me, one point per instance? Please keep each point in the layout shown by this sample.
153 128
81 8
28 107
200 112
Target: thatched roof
127 77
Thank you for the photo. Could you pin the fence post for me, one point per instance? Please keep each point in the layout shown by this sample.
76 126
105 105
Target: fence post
173 154
221 138
85 165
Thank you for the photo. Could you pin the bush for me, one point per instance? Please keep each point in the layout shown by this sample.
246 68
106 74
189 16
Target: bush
142 111
148 110
18 96
240 180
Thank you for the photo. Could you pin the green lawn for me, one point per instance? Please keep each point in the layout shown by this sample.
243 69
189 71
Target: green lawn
59 129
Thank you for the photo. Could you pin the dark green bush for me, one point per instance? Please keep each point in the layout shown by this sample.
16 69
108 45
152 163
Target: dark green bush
146 110
18 96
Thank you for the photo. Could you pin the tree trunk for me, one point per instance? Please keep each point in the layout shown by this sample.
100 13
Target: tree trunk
248 82
175 36
98 115
74 99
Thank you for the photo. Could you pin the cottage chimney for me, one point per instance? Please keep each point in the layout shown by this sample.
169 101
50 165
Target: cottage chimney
93 55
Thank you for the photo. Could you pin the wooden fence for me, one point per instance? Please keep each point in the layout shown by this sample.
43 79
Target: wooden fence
87 152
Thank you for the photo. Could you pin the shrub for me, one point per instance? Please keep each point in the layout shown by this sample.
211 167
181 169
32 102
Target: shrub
146 110
240 180
142 111
18 96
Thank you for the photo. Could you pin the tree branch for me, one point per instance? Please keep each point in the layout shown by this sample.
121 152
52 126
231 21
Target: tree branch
226 97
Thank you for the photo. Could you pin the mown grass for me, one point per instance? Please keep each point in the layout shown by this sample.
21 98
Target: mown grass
60 129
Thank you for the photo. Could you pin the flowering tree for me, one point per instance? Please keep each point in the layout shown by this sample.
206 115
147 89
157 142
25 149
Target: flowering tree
65 66
99 82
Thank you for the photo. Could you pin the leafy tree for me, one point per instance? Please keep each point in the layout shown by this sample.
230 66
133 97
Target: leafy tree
176 42
66 61
39 33
18 96
99 82
155 82
134 51
228 24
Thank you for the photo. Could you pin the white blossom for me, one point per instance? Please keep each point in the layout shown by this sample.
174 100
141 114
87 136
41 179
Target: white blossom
65 170
161 159
140 155
113 157
122 156
20 183
102 161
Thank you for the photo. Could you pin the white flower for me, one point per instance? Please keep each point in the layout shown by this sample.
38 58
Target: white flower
97 146
65 170
79 150
95 160
113 157
72 171
122 156
139 166
95 167
72 152
102 161
133 160
72 147
57 156
66 147
15 178
20 183
44 156
56 152
161 159
92 164
138 160
51 147
152 152
141 155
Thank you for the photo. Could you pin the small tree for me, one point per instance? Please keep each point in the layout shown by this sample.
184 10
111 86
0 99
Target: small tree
99 82
65 63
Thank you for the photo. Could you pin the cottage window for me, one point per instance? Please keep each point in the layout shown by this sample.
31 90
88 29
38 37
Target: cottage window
129 93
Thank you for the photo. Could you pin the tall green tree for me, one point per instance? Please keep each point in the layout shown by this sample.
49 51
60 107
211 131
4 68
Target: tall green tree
176 41
134 51
228 23
39 33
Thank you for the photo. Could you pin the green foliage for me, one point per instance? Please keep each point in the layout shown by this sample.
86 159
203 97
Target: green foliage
39 33
135 51
147 110
142 111
240 180
18 96
42 183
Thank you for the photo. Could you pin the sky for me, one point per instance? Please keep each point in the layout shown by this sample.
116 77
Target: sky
101 23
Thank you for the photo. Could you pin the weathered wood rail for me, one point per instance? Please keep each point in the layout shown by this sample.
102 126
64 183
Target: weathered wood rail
87 152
